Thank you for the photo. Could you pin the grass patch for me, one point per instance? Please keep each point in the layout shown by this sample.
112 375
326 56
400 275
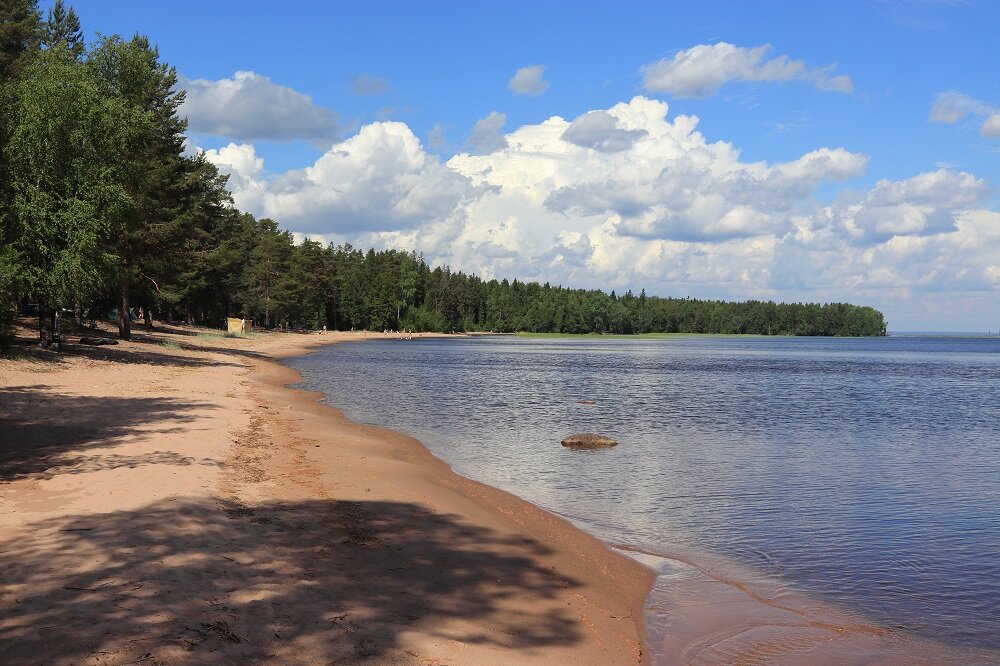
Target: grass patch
225 334
13 354
170 344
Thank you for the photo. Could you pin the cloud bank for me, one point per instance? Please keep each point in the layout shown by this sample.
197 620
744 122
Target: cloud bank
701 70
529 80
629 196
250 107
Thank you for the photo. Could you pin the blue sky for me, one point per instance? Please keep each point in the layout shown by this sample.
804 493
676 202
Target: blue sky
358 122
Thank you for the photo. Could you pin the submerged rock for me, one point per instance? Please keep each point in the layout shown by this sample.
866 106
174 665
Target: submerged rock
588 440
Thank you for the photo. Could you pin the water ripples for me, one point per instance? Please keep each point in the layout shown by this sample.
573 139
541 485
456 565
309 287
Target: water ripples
866 472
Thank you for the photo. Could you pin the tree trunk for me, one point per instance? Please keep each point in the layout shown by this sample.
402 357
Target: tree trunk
56 325
124 321
42 331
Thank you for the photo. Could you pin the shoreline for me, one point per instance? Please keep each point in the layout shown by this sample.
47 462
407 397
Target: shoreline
171 499
633 583
704 607
184 502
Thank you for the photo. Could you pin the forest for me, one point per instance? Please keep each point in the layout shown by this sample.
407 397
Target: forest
102 211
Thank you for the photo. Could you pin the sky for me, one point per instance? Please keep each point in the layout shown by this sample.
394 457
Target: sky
794 151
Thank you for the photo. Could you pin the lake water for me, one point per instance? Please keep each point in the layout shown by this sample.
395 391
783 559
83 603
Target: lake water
863 472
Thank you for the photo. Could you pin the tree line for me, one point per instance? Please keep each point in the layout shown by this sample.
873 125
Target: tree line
102 210
344 287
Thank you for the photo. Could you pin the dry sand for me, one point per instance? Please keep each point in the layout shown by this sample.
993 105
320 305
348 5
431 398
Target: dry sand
169 500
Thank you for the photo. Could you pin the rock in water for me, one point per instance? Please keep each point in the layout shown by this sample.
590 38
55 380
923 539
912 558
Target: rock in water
588 440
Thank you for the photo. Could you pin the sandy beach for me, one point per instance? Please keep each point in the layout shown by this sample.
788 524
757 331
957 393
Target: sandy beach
170 500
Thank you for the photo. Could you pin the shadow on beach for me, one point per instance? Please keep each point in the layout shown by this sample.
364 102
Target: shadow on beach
115 354
44 432
160 341
326 581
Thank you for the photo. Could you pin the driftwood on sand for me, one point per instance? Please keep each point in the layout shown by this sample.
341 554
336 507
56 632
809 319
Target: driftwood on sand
97 341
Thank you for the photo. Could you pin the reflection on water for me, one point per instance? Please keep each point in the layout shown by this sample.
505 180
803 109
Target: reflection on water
862 472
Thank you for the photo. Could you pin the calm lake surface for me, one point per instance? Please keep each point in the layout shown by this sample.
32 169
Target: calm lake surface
865 472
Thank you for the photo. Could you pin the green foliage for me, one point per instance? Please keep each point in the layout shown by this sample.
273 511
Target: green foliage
225 334
395 290
266 288
66 178
20 30
191 252
20 27
155 169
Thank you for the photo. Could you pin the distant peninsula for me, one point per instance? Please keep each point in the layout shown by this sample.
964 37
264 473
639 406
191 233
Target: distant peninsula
398 290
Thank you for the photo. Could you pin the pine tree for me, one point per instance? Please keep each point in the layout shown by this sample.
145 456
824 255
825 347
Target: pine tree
264 286
63 27
184 265
131 72
20 29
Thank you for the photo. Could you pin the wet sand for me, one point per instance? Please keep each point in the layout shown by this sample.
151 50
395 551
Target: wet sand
170 500
706 609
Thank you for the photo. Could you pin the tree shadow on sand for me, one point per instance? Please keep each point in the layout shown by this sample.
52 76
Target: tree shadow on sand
43 430
118 354
316 581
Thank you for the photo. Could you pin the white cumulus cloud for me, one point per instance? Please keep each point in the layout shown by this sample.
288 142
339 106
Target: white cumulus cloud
245 170
990 128
250 106
486 135
701 70
952 106
629 197
926 204
529 80
381 179
600 130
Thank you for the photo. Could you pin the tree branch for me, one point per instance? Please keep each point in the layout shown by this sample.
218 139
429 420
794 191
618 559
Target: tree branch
156 286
